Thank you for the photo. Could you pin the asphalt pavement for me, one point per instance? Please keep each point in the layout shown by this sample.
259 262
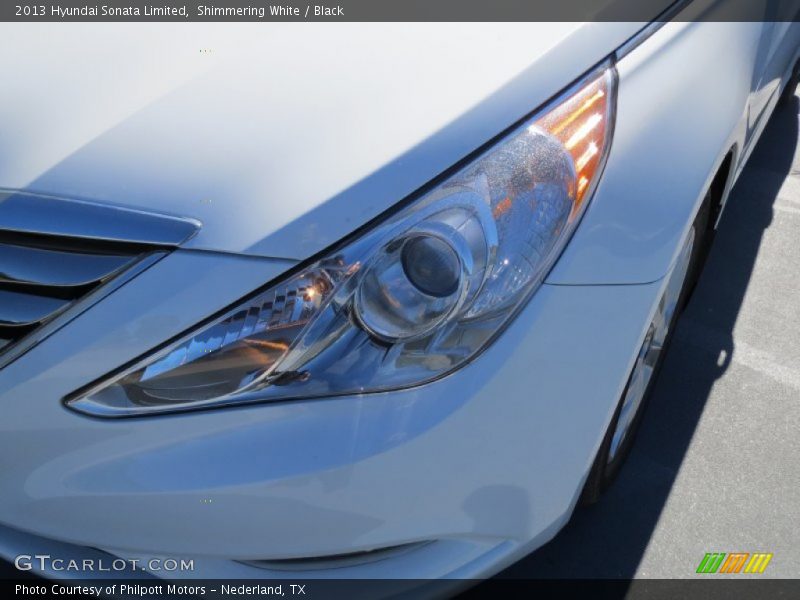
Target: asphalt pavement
715 467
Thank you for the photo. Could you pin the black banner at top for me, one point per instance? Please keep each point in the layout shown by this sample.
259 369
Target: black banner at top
397 10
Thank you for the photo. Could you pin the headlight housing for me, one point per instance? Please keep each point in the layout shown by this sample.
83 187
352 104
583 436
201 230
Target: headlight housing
409 300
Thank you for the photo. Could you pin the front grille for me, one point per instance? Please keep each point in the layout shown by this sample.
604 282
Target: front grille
59 255
41 276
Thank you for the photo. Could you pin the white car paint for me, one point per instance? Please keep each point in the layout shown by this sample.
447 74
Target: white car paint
286 137
280 161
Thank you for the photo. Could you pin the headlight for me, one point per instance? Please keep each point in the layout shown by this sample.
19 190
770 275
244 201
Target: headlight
409 300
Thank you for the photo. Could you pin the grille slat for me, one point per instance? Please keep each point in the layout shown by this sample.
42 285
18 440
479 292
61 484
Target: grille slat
57 252
30 213
43 275
46 267
21 310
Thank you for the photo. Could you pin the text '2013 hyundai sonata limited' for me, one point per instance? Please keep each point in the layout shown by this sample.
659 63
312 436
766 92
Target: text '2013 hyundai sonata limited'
355 300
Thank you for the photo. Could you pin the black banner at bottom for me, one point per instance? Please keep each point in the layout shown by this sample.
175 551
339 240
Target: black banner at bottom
705 588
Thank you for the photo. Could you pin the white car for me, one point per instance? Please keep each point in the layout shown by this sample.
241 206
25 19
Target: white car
356 301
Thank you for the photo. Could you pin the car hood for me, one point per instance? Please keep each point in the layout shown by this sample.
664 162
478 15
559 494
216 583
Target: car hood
279 139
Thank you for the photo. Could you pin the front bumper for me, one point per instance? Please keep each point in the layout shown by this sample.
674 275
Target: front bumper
478 468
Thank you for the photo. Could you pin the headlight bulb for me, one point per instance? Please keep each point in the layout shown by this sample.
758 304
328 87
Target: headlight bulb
431 265
415 283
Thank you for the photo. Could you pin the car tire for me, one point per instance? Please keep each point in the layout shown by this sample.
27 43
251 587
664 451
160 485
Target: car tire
616 445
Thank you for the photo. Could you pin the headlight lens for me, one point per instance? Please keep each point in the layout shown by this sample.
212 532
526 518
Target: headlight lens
408 301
